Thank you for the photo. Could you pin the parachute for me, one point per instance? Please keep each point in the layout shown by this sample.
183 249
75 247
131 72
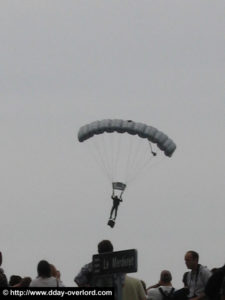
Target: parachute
124 148
144 131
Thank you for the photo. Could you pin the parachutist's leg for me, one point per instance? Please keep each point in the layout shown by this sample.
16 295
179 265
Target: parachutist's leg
116 209
111 213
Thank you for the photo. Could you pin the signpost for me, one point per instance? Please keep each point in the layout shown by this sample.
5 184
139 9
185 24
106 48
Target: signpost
115 263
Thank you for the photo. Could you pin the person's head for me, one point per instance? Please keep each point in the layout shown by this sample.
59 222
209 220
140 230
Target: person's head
191 260
105 246
14 279
165 277
44 269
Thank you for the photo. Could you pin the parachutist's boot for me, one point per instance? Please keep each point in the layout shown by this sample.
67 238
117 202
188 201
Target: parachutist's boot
111 223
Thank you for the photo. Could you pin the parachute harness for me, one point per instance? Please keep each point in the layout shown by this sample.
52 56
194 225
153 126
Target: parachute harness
118 186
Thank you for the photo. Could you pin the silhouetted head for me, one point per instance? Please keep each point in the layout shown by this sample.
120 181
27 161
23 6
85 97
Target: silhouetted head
105 246
191 259
165 276
44 269
14 279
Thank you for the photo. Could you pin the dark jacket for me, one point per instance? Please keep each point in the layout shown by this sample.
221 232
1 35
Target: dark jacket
212 289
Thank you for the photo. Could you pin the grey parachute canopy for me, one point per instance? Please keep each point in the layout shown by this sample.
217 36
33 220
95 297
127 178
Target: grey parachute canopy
124 149
127 126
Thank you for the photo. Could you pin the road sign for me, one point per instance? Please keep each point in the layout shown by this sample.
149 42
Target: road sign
115 262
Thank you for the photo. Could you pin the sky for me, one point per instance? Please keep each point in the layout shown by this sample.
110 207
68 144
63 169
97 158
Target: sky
68 63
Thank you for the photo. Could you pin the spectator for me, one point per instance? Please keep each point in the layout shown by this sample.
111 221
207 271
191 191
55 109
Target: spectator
213 286
85 277
213 270
55 273
3 278
14 280
164 287
223 289
133 289
197 278
44 278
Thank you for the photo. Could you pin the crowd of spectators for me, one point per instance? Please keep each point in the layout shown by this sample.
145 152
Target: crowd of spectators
199 283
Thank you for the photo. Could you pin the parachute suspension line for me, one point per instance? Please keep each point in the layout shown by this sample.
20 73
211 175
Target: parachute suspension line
109 146
150 145
117 151
95 156
100 161
142 167
146 165
106 153
135 156
142 155
99 158
129 157
111 152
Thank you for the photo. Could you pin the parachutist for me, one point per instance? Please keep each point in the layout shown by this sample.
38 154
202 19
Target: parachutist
116 203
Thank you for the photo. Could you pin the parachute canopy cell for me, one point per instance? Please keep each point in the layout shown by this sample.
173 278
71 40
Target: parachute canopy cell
127 126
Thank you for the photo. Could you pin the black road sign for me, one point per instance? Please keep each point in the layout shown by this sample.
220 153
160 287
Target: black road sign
115 262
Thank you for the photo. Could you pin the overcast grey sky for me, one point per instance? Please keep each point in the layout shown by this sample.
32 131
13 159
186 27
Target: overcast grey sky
68 63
